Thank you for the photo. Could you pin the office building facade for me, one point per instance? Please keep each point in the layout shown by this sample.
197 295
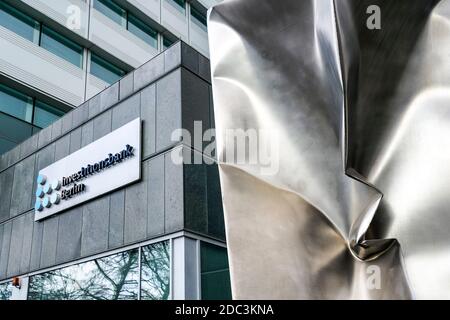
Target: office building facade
160 235
56 54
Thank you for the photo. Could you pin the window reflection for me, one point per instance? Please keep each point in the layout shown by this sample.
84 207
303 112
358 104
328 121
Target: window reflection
155 277
215 274
105 70
111 278
5 291
199 18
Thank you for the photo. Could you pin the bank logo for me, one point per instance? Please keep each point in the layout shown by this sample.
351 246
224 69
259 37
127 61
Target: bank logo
47 193
50 193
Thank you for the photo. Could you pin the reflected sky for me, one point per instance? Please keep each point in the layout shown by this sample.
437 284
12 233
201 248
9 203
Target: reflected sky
115 277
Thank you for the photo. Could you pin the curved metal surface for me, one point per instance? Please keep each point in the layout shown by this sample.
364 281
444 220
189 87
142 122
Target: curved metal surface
363 120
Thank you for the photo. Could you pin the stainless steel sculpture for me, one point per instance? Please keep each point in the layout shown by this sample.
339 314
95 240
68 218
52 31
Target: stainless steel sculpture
363 118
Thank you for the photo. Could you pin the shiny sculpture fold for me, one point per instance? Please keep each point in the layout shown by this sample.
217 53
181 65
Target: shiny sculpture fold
359 207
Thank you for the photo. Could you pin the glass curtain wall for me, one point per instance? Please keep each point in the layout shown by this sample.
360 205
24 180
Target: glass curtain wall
215 273
115 277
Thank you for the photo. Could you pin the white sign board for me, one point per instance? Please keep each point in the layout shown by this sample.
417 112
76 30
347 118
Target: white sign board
106 164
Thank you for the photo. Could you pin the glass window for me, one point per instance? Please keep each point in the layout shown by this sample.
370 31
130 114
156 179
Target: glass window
44 114
198 18
143 31
112 11
215 275
5 146
15 103
111 278
155 273
62 47
19 23
179 4
5 291
167 43
105 70
12 132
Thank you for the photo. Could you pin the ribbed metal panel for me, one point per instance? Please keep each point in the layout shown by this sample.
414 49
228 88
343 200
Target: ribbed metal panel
54 71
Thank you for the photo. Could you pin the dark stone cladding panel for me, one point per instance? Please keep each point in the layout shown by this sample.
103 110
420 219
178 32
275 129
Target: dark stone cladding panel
148 117
75 140
202 199
6 183
44 158
102 125
168 198
56 129
22 189
168 108
109 96
66 123
173 195
126 86
172 57
1 242
6 241
27 242
94 233
195 102
49 241
36 246
116 219
69 235
87 133
149 72
189 57
126 111
136 202
13 156
80 115
195 193
62 147
15 247
155 197
216 222
44 136
4 160
30 145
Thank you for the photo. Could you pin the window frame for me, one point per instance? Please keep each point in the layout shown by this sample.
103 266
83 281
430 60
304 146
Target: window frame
141 25
171 238
43 105
111 5
20 96
24 18
102 62
33 101
130 18
64 41
198 20
139 248
180 5
170 42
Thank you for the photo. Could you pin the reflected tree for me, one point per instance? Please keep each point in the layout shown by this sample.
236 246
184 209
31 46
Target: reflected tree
111 278
155 277
5 291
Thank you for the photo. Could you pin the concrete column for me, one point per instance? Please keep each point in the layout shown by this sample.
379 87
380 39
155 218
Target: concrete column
186 269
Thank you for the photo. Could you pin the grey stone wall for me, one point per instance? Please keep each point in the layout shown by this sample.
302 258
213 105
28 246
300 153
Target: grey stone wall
170 91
